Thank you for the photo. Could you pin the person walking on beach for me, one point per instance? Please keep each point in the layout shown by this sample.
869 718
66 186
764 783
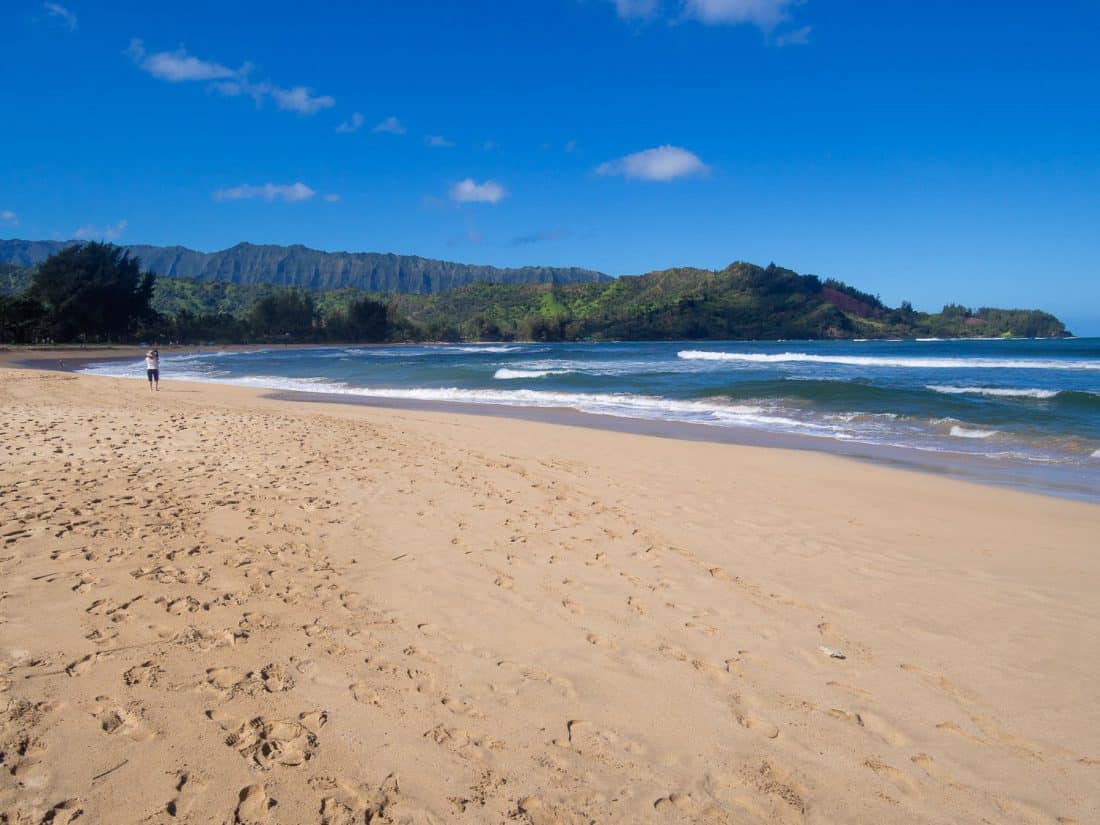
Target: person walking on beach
152 369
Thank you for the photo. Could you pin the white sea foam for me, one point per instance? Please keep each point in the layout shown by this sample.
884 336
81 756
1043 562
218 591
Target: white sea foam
1096 454
890 361
485 348
622 405
431 349
996 392
964 432
505 374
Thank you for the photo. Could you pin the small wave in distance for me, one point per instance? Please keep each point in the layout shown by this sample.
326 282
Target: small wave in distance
888 361
993 392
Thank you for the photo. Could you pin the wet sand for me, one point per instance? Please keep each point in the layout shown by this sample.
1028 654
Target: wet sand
217 606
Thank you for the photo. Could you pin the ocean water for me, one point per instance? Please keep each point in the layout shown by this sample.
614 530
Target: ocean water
1020 412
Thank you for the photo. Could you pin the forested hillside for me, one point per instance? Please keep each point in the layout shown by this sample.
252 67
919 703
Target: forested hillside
742 301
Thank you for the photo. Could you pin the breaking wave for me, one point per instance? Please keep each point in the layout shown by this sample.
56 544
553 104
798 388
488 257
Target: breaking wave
888 361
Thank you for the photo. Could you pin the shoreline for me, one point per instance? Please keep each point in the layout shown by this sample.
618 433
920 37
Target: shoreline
1036 478
1010 475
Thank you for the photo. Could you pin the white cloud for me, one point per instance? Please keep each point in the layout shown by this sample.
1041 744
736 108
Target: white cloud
794 37
7 216
438 142
288 192
390 125
767 14
352 124
467 191
177 66
181 67
630 9
62 14
662 163
301 99
107 233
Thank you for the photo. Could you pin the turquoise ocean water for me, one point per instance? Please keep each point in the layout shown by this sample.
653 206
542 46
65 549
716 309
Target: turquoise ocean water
1019 412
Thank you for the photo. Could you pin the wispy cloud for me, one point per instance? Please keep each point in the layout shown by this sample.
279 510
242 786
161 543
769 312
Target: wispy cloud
62 14
537 237
8 216
352 124
286 192
390 126
794 37
300 99
767 15
662 163
107 233
180 67
634 9
438 142
468 191
332 197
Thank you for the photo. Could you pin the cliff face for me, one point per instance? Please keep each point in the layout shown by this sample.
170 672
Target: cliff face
300 266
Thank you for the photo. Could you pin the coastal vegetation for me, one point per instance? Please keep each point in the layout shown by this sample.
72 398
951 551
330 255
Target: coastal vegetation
97 292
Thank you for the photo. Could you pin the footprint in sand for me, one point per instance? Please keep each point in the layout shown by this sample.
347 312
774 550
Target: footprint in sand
364 694
64 812
757 724
882 729
771 779
462 707
253 806
102 637
83 665
269 742
601 641
188 788
31 774
346 802
118 720
538 812
275 678
572 606
900 780
147 673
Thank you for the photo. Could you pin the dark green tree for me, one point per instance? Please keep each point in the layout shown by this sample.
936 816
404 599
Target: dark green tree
483 328
290 313
92 291
367 320
20 319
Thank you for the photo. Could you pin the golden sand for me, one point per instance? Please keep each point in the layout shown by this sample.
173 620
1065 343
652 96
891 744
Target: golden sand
218 607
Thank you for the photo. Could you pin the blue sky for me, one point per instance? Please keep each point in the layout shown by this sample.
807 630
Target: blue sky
929 151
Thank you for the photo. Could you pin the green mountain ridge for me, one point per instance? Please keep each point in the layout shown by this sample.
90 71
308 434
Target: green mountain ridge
298 265
741 301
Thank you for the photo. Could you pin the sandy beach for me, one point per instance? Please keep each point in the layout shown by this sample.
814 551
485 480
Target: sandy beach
217 606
